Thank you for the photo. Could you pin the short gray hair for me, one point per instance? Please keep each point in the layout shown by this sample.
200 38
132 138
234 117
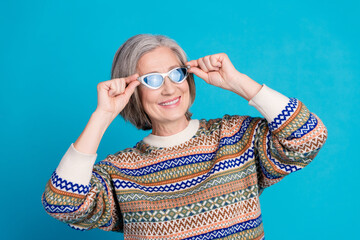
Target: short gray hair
125 64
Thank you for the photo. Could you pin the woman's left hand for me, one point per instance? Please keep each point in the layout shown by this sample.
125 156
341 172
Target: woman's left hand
215 69
218 70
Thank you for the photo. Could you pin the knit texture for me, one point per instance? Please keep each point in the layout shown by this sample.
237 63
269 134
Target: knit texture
207 187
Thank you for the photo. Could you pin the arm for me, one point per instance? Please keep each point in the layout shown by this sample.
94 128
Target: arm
89 139
287 139
78 192
84 200
289 136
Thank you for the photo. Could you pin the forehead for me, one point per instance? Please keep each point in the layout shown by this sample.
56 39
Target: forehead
158 60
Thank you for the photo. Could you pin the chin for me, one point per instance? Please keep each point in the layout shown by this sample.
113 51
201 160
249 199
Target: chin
174 117
171 115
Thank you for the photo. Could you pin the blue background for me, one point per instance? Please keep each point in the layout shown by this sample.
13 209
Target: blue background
54 53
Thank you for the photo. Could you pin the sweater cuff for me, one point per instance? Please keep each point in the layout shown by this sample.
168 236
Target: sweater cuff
76 166
269 102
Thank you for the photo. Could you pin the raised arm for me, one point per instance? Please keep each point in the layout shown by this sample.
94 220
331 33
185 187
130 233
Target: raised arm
287 138
113 95
80 193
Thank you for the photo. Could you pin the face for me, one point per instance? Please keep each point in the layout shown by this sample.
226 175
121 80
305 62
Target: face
170 102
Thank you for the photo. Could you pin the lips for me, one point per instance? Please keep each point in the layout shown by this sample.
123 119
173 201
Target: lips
170 102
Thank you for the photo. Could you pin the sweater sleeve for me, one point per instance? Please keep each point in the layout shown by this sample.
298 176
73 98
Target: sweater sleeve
287 139
81 194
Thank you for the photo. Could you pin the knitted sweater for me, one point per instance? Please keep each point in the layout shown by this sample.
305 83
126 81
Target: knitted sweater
202 183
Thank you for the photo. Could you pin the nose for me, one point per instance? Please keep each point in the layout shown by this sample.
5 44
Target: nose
168 87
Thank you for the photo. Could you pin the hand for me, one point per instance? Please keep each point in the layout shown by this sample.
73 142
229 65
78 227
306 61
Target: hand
215 69
218 70
113 95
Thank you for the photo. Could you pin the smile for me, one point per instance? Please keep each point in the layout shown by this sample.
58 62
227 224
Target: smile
172 102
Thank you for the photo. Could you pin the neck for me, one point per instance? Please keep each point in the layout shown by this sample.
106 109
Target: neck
169 128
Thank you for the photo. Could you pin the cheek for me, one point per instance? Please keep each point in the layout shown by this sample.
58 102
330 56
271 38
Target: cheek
148 98
186 91
143 99
144 94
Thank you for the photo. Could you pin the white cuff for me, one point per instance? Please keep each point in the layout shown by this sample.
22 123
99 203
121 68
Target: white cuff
269 102
76 166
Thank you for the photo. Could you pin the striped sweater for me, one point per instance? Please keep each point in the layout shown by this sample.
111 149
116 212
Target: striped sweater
202 183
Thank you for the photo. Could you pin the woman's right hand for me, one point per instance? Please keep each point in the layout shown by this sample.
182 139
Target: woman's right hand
114 94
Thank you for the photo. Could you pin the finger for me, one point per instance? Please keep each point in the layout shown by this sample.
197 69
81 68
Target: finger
131 78
121 85
192 63
111 87
200 73
215 60
103 89
117 87
131 88
209 65
202 65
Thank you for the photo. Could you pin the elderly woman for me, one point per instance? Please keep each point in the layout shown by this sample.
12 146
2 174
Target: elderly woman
189 178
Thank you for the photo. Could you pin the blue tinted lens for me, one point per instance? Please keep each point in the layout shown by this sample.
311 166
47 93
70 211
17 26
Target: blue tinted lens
177 75
153 80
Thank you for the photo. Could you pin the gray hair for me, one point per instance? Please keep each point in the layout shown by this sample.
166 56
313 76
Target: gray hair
125 64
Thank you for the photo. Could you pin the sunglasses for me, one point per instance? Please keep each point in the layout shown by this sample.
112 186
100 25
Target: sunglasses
156 80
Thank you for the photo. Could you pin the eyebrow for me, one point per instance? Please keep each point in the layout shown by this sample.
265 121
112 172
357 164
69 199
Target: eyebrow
173 66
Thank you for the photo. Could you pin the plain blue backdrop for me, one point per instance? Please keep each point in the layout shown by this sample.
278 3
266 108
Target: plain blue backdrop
54 53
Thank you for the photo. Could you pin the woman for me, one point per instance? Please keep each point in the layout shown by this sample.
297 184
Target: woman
189 178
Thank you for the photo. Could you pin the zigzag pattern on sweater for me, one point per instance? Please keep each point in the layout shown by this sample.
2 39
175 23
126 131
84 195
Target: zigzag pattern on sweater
237 136
289 168
220 166
137 160
284 115
307 149
241 189
180 161
242 206
64 185
218 181
306 128
77 227
51 208
224 232
224 218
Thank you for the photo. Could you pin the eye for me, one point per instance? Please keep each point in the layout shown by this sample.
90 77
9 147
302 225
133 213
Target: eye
177 74
154 80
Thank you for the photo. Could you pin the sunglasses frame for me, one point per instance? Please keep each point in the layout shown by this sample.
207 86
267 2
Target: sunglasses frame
141 78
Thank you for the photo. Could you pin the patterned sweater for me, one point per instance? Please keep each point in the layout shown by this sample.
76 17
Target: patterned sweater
202 183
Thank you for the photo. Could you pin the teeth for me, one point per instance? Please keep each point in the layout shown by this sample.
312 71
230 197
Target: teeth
169 103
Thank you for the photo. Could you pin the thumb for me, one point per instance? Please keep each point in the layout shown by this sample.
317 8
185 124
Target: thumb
131 78
131 88
200 73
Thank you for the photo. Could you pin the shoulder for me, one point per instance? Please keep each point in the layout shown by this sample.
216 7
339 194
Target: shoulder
228 121
128 151
227 125
117 159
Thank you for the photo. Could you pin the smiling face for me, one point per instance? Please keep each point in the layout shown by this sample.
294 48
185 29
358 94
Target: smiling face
169 103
